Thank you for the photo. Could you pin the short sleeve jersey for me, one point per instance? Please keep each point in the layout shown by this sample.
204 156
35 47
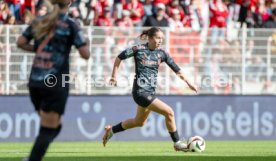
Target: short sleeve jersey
52 56
147 62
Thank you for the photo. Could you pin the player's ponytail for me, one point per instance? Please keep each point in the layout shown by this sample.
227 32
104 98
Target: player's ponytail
144 35
149 33
43 26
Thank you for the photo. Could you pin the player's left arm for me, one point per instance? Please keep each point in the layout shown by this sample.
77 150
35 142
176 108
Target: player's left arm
127 53
168 59
187 81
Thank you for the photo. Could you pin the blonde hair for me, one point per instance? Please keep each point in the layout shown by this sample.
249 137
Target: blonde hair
43 26
5 8
28 14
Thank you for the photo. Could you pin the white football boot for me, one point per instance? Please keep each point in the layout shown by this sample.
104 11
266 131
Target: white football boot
181 146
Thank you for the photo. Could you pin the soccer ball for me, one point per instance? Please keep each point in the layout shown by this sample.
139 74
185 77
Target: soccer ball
196 144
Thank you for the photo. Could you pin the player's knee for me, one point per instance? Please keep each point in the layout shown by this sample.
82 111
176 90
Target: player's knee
50 119
169 114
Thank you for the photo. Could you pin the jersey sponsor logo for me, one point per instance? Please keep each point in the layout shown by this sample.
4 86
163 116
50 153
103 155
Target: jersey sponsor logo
148 61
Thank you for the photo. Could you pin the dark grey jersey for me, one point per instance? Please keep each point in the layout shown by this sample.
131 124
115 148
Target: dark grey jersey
52 55
147 62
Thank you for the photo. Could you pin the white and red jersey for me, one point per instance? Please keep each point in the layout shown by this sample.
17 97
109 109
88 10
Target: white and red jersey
263 13
104 21
218 14
27 4
135 7
180 9
98 7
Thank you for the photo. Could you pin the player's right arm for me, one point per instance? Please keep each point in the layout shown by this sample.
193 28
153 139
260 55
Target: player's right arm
113 79
123 55
23 41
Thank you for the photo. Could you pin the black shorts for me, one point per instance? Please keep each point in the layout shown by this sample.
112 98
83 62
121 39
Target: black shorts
49 100
143 99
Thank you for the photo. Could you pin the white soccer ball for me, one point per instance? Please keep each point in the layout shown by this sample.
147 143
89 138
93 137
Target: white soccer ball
196 144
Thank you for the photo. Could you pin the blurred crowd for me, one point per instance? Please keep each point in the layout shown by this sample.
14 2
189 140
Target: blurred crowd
217 51
176 14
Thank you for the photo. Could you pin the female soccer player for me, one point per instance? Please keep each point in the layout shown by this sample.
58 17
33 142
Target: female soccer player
147 59
53 35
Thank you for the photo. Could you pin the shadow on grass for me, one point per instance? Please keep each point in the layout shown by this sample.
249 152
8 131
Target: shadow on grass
156 158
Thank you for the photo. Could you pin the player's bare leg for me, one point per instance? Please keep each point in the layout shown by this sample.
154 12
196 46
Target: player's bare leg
138 121
165 110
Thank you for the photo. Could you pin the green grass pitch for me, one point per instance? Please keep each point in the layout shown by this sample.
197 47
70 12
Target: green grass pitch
145 151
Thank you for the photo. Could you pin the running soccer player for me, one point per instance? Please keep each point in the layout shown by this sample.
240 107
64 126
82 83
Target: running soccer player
54 35
147 59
